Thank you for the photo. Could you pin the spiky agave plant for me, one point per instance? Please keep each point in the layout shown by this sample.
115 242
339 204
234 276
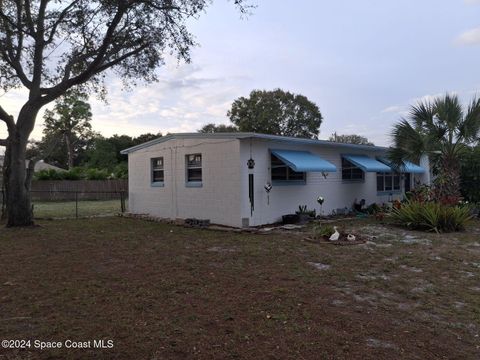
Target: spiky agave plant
442 129
432 216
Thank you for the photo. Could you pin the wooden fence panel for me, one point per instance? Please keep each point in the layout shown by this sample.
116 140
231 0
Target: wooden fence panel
61 190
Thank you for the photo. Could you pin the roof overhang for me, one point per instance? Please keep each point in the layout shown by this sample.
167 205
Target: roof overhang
251 135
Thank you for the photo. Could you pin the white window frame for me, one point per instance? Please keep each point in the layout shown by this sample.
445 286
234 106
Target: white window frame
349 166
156 168
287 180
190 166
391 176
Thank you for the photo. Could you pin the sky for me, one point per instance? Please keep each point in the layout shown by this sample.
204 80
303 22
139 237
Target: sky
362 62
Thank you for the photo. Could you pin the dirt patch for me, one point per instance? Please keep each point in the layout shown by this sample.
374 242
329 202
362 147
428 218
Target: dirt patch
222 250
380 344
319 266
166 292
343 240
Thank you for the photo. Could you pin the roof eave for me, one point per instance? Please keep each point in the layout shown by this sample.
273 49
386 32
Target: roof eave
248 135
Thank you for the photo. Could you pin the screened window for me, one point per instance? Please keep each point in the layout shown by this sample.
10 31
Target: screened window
351 172
157 170
282 172
388 182
194 168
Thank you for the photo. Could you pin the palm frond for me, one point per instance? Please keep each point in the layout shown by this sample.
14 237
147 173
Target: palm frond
448 112
422 114
409 143
469 129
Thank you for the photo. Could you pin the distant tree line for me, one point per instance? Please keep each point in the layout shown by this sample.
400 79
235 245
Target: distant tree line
94 157
70 143
350 139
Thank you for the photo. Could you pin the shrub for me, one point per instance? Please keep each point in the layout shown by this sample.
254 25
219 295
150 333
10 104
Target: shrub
74 174
97 174
302 210
50 174
121 171
432 216
373 209
470 174
320 231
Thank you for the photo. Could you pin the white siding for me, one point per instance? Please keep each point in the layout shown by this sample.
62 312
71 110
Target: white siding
224 197
285 199
218 199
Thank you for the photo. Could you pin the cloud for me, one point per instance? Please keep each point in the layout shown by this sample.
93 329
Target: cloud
470 37
183 100
12 101
393 109
430 98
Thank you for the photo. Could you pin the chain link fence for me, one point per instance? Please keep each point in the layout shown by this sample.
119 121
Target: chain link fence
77 204
75 199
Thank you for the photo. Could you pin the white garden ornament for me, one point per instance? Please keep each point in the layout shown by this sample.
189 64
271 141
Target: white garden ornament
321 200
335 236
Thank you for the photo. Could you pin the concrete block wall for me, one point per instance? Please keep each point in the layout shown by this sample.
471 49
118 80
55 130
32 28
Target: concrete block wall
217 200
285 199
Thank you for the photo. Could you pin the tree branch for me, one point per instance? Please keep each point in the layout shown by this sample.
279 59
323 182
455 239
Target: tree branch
8 119
18 55
17 26
62 16
38 52
10 53
53 92
121 58
28 15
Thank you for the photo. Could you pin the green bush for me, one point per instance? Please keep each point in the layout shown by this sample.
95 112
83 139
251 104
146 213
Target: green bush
79 173
74 174
432 216
373 209
121 171
470 175
302 210
50 174
319 231
97 174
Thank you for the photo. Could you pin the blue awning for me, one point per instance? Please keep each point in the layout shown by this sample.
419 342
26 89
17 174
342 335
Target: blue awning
408 167
304 161
367 164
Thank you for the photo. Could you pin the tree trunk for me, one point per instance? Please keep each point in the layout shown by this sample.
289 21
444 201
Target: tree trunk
69 144
17 183
448 180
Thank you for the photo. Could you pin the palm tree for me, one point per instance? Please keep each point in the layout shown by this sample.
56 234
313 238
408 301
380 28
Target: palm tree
443 130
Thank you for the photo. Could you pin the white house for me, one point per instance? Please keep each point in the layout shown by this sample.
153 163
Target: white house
224 177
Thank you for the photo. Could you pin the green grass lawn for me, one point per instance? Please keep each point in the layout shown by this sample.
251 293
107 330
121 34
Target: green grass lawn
66 209
165 292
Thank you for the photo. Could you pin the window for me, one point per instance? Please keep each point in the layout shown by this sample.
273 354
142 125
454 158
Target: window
351 172
157 170
194 168
281 172
388 182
